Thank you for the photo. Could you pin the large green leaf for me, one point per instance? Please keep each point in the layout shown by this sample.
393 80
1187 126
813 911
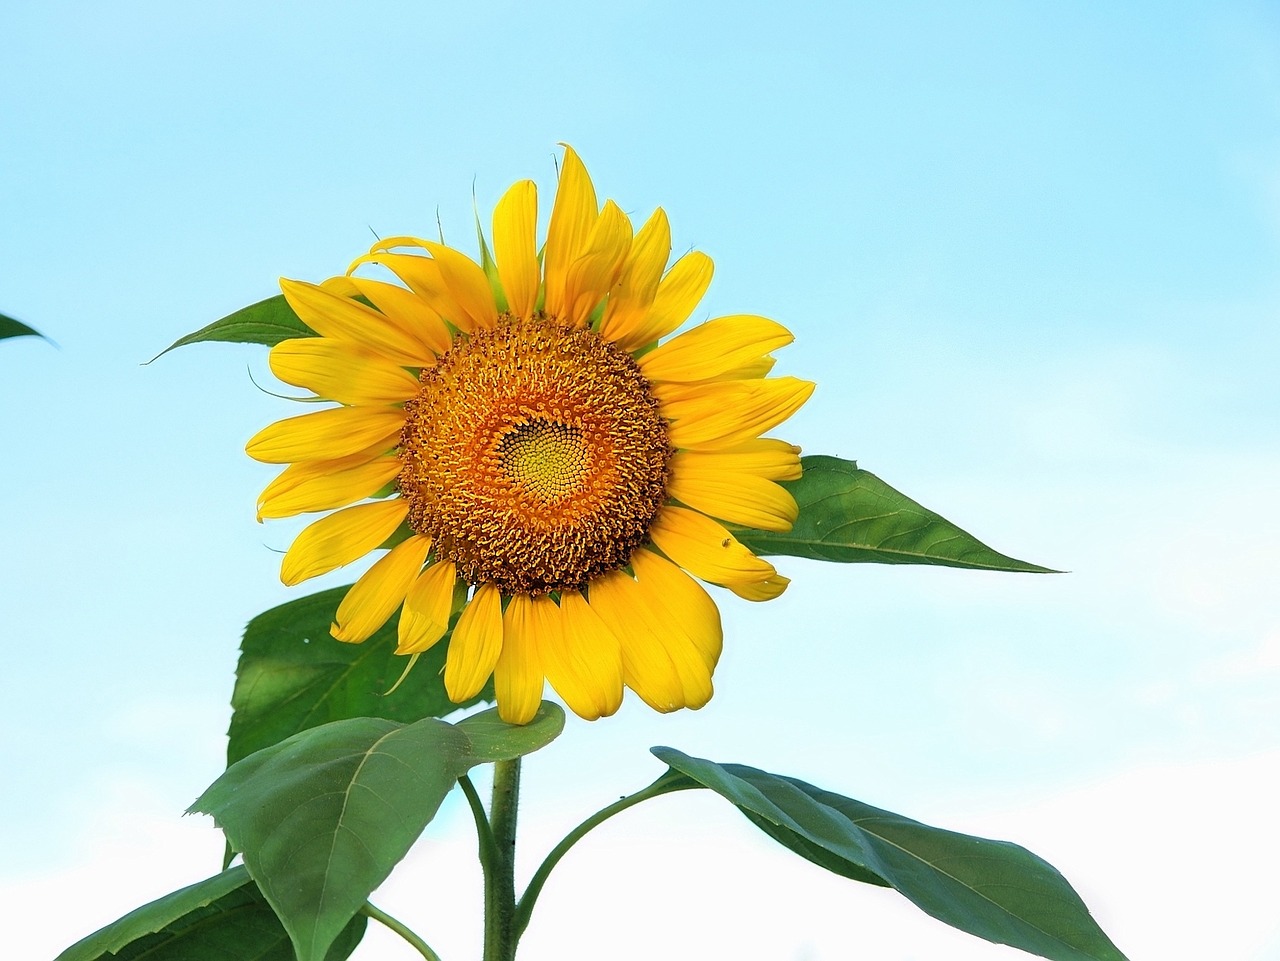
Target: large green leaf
220 918
993 889
850 515
293 675
267 322
324 816
16 328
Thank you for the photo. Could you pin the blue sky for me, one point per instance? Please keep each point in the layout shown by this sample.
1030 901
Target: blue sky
1030 256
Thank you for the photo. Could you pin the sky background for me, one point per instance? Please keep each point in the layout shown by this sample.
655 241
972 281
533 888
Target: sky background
1030 255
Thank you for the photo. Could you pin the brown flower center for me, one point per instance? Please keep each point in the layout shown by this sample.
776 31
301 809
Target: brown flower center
534 455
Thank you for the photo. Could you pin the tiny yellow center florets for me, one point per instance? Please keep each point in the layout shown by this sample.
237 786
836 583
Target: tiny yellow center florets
534 455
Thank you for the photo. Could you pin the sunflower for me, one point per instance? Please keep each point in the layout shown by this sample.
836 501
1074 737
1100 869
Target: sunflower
534 456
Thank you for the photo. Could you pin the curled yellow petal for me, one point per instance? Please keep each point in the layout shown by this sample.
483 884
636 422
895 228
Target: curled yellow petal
340 371
715 348
475 645
324 485
517 677
467 285
427 607
762 591
340 538
431 336
327 434
706 549
515 221
582 659
422 276
724 414
374 597
331 315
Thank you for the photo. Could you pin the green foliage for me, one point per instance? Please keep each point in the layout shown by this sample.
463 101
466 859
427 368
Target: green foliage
294 675
850 515
267 322
16 328
993 889
322 817
222 917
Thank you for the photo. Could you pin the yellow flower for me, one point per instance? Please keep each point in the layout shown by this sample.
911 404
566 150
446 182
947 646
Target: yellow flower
541 459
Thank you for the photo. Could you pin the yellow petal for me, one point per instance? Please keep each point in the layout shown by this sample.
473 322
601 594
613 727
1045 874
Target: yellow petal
706 549
573 214
647 668
714 348
515 222
763 591
475 645
517 677
344 319
431 336
596 272
582 659
467 285
379 591
327 434
647 259
764 457
692 614
324 485
336 370
341 286
341 538
422 276
678 294
425 617
724 414
734 497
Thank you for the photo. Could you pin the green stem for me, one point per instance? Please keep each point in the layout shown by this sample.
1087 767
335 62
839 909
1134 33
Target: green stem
500 933
664 785
484 833
423 948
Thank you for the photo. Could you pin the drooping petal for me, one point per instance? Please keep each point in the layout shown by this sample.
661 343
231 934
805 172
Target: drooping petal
515 221
763 591
475 645
468 286
425 617
324 485
582 659
596 272
327 434
336 370
647 259
647 668
573 214
724 414
430 332
706 549
714 348
517 677
340 538
422 276
692 614
764 457
331 315
738 498
374 597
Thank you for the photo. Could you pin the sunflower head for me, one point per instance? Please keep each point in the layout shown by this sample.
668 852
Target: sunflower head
553 468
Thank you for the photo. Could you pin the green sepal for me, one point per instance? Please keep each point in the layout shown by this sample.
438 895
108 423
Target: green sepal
222 917
322 817
293 675
16 328
488 264
992 889
850 515
267 322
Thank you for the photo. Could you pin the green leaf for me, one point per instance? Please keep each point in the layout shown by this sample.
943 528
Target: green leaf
293 676
222 917
493 739
16 328
324 816
850 515
267 322
992 889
